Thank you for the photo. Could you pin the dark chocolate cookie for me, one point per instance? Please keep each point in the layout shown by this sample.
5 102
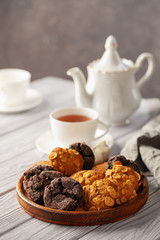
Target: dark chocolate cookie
36 169
86 153
35 180
63 193
124 161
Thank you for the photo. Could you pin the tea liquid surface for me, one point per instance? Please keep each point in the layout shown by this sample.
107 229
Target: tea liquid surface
74 118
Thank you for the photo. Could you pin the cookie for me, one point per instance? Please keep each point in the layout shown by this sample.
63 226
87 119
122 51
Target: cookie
35 180
100 168
124 161
86 153
44 162
36 169
67 161
63 193
86 177
118 187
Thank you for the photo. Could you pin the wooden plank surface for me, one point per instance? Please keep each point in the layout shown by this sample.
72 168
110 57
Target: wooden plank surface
16 223
18 133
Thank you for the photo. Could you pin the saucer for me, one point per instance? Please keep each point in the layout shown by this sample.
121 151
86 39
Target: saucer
46 143
33 99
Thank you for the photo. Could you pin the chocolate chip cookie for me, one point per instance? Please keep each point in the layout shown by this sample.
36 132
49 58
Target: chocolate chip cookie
63 193
86 153
35 180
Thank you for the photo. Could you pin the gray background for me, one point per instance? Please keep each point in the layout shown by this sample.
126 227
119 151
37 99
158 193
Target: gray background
47 37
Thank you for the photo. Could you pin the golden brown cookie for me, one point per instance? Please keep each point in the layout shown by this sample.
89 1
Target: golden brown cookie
66 161
124 161
123 174
100 168
86 177
42 163
119 186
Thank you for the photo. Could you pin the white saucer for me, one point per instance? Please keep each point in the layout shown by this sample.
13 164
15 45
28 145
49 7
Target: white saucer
33 99
46 143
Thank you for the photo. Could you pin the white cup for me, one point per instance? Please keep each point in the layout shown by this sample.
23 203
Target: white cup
13 86
66 133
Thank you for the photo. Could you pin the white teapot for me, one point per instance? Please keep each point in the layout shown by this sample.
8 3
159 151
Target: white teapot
111 88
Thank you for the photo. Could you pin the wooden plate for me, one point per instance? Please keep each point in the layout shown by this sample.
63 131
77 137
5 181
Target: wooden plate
82 218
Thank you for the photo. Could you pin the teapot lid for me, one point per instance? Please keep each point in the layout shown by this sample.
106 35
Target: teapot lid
110 60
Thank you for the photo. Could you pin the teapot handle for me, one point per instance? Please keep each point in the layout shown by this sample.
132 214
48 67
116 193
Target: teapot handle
147 75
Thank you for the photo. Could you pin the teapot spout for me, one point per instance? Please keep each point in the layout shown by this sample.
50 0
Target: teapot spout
82 98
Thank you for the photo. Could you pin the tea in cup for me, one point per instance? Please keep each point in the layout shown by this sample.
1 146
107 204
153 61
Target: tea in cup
70 125
14 84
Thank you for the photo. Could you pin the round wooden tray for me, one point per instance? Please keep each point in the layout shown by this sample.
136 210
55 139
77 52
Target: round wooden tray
82 218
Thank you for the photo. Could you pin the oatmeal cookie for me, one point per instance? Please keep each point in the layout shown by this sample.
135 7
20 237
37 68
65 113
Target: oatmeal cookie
100 168
63 193
86 177
67 161
124 161
118 187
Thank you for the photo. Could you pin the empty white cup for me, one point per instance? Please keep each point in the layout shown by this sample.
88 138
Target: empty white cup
67 132
13 86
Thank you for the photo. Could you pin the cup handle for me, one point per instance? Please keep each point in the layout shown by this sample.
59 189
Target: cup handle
147 75
104 128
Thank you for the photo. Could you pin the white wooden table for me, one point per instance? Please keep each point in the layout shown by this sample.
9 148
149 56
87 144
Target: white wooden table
18 133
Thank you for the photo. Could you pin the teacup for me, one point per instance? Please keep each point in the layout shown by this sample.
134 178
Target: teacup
70 125
13 86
